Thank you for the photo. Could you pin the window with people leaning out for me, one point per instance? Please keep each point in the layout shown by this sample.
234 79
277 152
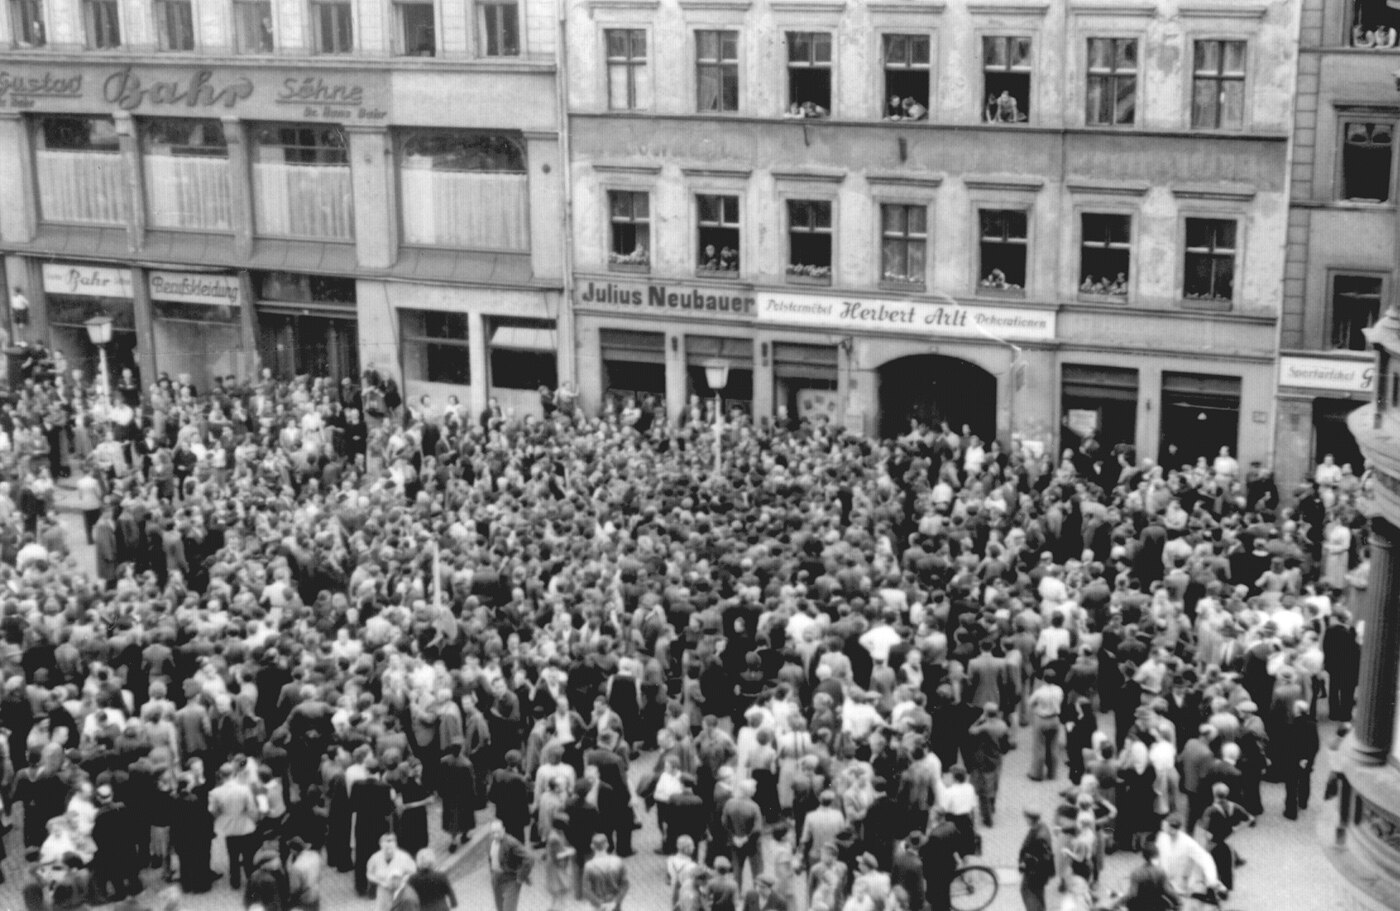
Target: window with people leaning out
1367 149
1003 251
718 218
1374 24
1006 78
907 68
1210 262
630 227
1104 253
809 74
1356 304
27 23
809 241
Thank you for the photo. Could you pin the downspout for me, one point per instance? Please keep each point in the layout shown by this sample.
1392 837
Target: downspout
567 335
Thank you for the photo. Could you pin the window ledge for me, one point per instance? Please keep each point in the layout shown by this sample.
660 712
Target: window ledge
1089 297
808 280
1207 305
1009 293
722 274
1365 205
904 287
639 268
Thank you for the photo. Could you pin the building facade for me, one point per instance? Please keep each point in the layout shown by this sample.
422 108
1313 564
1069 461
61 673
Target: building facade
310 187
1340 266
1034 218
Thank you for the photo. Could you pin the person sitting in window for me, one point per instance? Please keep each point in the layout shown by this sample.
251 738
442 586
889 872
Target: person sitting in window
1004 108
729 259
1384 37
896 108
913 110
794 110
811 110
709 259
1119 284
1361 36
995 279
1087 286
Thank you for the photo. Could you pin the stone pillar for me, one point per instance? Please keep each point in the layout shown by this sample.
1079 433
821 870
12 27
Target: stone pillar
145 327
376 203
129 141
763 405
240 183
478 346
1373 725
18 186
676 386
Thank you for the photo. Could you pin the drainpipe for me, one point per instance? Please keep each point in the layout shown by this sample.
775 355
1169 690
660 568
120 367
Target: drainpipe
567 335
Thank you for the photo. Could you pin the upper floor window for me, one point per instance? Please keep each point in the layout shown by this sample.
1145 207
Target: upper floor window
27 23
809 240
79 173
1366 161
252 26
1374 23
1003 234
301 181
903 244
809 74
185 161
1105 253
718 222
499 22
333 26
1356 305
1006 78
629 81
102 22
1111 96
629 217
907 68
717 71
464 189
1217 85
174 25
416 34
1210 260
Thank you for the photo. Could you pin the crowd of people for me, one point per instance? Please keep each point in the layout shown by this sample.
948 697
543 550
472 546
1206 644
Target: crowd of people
318 611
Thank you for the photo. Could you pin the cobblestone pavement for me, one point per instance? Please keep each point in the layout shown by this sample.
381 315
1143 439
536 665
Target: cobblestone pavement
1286 868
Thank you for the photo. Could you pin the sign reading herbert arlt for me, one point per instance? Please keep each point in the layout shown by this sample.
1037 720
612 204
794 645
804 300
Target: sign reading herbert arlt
87 281
906 317
196 288
1328 374
669 299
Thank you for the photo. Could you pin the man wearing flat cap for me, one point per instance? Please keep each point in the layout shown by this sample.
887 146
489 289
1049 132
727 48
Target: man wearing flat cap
1036 861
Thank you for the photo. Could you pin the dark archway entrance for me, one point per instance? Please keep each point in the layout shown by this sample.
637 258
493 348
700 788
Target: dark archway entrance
933 388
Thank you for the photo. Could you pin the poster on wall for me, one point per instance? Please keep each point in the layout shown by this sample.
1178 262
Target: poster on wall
1083 421
814 403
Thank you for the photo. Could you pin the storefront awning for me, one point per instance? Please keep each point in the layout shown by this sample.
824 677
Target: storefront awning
524 338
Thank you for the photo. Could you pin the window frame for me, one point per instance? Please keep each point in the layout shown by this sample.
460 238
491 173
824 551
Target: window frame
399 44
813 200
883 90
21 26
630 64
722 65
457 347
486 34
90 23
492 323
1028 112
1112 76
1081 243
882 237
1329 324
160 12
815 40
1001 206
622 265
318 42
1346 119
239 9
1237 269
1220 78
700 226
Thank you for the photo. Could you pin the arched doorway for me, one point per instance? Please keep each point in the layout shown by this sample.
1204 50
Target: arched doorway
933 388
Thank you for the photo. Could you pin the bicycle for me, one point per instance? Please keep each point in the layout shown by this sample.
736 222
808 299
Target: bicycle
974 887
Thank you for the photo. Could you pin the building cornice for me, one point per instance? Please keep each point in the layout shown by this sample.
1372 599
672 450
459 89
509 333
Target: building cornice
1108 187
1020 183
1008 9
1123 10
1222 11
904 179
811 175
1225 192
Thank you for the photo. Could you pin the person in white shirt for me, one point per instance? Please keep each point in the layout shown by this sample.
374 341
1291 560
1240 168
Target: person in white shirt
1045 704
1187 863
1053 640
859 716
879 639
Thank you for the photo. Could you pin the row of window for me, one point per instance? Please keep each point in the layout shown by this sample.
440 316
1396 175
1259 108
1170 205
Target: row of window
457 189
437 349
1111 77
1003 236
332 26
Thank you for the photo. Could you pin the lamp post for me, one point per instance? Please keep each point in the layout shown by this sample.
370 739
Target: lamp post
717 375
99 330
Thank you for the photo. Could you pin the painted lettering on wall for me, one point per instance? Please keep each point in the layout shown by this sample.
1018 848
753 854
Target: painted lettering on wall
128 91
19 91
664 297
313 90
913 317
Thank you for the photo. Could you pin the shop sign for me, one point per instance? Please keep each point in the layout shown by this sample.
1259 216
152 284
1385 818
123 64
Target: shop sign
906 317
273 93
195 288
668 299
1327 374
87 281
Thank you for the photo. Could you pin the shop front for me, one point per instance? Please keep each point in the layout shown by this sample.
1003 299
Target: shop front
198 325
1200 416
75 293
1098 403
807 380
1316 393
307 325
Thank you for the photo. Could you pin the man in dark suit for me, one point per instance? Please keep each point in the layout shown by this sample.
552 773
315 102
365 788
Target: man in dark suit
104 539
372 803
1341 658
1148 886
510 793
1036 862
1195 762
986 676
688 815
907 870
403 898
940 859
742 824
606 757
510 865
